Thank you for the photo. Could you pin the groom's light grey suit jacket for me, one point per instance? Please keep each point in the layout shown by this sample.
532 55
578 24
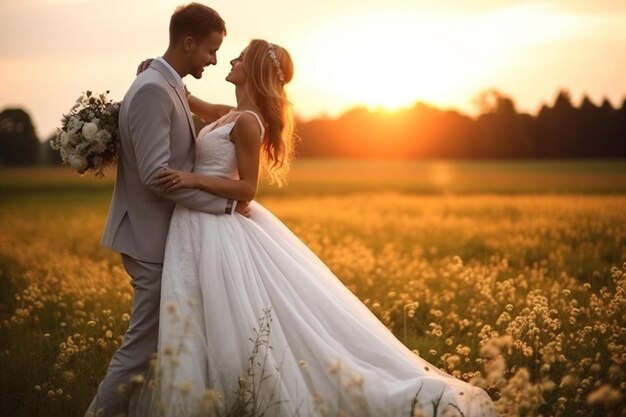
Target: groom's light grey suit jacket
156 131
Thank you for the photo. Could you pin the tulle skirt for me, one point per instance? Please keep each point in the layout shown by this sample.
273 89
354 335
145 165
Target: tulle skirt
252 319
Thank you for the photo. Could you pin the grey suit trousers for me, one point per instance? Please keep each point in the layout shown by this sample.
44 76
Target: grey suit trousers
140 341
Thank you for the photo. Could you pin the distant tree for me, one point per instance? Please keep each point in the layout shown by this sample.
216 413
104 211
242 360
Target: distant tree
317 136
559 134
47 155
609 130
590 119
451 135
18 143
424 131
485 101
618 143
501 131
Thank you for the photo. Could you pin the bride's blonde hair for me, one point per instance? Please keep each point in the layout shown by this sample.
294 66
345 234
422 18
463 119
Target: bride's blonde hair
269 68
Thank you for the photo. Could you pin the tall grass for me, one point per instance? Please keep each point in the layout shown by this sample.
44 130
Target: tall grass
523 294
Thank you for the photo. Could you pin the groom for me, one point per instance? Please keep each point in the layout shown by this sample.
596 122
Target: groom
156 131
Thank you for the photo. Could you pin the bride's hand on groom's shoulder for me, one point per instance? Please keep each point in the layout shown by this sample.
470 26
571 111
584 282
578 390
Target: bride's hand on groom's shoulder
143 65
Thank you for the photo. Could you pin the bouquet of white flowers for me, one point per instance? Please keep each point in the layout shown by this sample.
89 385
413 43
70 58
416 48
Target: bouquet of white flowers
89 138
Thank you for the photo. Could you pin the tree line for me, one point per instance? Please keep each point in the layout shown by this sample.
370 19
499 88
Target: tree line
561 130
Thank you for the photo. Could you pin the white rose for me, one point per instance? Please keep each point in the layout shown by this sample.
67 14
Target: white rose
78 162
90 130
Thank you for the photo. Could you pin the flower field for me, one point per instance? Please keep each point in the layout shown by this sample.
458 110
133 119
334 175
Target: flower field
517 284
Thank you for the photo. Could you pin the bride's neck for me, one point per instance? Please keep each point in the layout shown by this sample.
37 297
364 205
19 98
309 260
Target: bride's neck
244 101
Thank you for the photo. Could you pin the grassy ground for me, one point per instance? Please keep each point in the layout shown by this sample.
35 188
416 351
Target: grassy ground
508 275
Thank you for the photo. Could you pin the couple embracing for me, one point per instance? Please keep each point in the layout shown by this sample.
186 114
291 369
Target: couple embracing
213 272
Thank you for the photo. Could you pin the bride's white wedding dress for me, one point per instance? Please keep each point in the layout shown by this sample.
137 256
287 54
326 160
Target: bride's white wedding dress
329 354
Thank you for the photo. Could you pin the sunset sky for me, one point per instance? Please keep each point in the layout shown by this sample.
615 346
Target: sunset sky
346 53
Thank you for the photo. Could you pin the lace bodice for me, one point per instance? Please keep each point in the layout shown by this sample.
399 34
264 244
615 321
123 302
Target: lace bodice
215 152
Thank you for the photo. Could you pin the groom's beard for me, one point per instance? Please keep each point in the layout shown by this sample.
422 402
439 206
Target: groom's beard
197 71
197 74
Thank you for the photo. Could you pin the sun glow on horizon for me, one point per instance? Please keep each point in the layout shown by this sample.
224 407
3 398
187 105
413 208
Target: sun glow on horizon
386 67
393 58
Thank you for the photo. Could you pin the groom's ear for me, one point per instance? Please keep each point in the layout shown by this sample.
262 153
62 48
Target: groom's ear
188 43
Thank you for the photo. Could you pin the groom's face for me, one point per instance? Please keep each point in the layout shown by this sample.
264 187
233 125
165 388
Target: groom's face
201 54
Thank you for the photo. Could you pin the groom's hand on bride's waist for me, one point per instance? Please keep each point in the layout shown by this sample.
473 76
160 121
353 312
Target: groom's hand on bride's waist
243 208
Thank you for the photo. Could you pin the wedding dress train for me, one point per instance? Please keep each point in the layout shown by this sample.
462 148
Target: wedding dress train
249 311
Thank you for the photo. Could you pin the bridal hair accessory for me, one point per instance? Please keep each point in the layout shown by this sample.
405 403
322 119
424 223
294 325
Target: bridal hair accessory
279 70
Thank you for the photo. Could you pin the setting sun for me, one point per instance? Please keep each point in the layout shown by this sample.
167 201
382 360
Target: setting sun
379 60
393 57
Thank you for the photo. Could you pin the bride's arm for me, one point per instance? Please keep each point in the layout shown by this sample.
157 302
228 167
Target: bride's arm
246 136
207 111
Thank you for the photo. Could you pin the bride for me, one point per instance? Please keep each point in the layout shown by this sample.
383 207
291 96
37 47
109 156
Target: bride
250 317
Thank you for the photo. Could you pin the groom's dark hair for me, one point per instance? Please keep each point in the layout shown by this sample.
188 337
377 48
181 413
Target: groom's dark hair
195 20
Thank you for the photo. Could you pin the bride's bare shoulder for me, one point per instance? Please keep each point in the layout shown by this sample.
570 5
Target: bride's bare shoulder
248 127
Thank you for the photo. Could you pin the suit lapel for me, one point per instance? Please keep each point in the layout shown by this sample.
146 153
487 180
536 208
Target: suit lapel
166 73
183 98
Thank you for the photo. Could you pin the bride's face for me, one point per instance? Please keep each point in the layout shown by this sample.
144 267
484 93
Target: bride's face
203 53
237 74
